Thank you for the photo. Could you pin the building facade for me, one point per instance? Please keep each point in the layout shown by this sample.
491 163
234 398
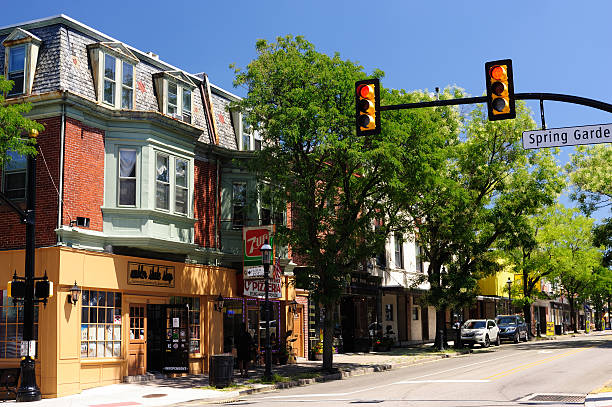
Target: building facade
140 204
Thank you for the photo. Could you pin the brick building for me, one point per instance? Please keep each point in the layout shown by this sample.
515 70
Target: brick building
140 202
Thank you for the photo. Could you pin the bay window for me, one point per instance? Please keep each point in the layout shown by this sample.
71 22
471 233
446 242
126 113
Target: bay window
181 197
171 183
239 204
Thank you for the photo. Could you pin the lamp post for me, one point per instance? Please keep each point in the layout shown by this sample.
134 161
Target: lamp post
266 253
509 282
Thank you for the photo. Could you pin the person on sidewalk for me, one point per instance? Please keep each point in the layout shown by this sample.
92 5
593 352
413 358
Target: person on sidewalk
245 343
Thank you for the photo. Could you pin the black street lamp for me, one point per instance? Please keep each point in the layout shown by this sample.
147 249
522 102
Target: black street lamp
509 282
266 253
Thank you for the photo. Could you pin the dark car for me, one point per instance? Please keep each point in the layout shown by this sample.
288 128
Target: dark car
512 327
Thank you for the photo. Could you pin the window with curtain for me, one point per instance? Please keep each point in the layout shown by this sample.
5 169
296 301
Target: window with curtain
127 176
100 324
162 180
11 327
181 197
16 69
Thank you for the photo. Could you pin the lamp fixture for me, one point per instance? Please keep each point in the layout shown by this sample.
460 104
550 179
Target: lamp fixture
219 303
75 291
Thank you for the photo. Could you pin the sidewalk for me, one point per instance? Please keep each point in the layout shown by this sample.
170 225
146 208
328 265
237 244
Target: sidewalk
169 391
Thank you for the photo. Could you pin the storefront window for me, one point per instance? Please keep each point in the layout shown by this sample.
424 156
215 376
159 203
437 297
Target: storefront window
232 318
100 324
11 327
194 320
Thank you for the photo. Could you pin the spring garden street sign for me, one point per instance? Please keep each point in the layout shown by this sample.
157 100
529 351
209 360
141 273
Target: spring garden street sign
568 136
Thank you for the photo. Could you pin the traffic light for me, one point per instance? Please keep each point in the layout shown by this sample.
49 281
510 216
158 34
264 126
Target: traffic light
500 90
367 102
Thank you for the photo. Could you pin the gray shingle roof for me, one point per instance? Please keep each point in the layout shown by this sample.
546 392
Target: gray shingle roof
63 65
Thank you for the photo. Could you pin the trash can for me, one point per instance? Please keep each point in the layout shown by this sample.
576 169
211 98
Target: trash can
558 330
221 370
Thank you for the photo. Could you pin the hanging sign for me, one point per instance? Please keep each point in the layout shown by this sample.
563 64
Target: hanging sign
253 272
257 288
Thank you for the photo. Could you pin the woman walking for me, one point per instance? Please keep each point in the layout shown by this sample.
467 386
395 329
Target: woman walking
245 342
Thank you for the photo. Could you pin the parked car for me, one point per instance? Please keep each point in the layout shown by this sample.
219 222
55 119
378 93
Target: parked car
512 327
480 331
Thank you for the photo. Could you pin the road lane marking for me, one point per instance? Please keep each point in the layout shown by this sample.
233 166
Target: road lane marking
385 385
443 381
536 363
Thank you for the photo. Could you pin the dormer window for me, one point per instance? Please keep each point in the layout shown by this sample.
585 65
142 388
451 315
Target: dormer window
174 92
113 69
21 54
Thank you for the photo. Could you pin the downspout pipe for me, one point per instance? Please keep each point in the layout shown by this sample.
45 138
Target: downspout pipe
61 168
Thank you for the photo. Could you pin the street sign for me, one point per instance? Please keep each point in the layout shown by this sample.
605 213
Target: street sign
568 136
255 272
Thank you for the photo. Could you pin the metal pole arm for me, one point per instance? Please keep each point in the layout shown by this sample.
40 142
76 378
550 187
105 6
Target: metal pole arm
23 215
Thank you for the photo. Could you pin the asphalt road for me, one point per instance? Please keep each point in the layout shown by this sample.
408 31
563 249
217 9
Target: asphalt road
556 373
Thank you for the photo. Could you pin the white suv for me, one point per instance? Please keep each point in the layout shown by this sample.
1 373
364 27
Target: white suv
481 331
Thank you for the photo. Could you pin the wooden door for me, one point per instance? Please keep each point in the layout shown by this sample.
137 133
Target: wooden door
298 331
137 346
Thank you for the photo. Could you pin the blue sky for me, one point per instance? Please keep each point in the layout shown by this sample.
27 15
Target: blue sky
556 46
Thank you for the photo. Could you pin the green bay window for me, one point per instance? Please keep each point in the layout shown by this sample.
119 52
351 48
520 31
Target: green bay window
181 197
127 176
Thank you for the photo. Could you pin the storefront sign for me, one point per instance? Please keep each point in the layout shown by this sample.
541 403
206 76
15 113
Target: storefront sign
150 274
253 238
257 288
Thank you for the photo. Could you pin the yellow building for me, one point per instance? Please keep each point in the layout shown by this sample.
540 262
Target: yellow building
121 323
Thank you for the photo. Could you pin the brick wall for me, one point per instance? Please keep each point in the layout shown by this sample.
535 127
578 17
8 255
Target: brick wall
205 175
12 232
83 174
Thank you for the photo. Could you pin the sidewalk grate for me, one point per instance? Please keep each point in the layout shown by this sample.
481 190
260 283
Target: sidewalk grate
556 397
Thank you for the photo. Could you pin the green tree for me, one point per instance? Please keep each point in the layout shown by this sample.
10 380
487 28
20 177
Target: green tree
473 185
302 103
590 171
14 126
574 255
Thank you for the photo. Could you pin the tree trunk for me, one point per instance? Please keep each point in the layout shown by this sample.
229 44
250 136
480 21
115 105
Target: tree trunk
328 338
440 342
526 305
573 319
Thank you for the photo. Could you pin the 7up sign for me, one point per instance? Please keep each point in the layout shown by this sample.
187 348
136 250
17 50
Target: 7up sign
253 238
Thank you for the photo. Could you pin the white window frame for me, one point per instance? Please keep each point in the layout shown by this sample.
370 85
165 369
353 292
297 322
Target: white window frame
14 91
117 83
180 111
172 184
159 183
178 187
398 252
127 87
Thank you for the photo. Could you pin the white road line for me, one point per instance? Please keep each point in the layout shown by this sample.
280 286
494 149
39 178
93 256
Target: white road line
384 385
443 381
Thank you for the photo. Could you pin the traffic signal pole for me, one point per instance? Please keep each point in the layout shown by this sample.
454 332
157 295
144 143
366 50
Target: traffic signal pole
28 389
557 97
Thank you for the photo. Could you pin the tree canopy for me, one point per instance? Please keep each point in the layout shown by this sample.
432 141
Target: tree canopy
14 126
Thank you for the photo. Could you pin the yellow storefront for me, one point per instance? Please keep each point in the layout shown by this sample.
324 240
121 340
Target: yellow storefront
111 331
